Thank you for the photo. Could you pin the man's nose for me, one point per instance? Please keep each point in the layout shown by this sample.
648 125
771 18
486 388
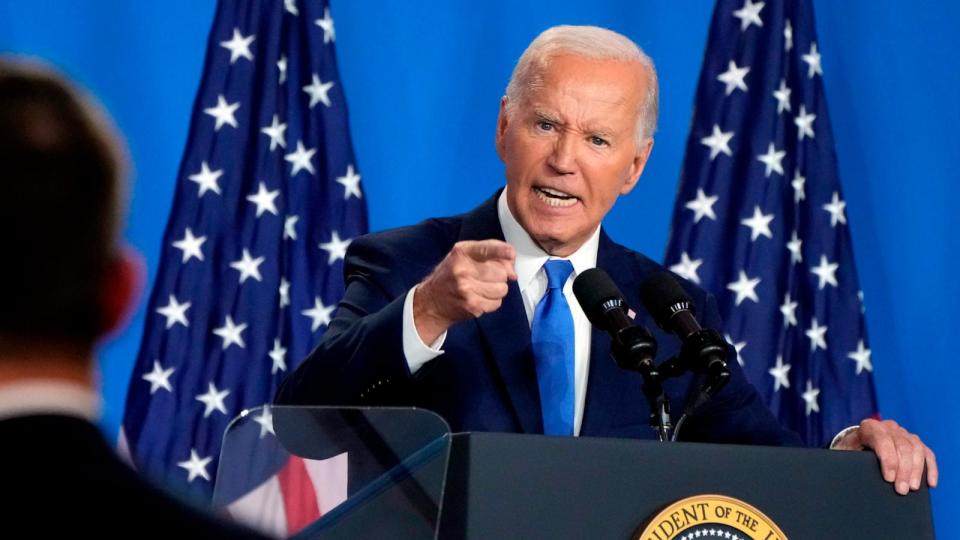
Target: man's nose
563 158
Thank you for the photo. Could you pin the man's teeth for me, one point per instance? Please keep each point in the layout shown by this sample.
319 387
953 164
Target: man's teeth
555 198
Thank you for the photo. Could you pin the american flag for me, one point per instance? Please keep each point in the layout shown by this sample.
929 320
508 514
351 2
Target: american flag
268 197
760 219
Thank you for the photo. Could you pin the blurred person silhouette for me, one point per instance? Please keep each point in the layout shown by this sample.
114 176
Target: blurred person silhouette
65 283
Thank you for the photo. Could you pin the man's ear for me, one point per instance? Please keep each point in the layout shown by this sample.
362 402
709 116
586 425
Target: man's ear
637 166
501 127
121 289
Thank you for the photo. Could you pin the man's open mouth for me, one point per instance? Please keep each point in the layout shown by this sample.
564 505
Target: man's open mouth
555 197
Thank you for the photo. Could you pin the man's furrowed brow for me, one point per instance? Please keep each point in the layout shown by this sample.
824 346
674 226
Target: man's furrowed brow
600 131
546 116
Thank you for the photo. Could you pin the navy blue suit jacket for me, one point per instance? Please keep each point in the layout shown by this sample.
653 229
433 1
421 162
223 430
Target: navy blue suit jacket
486 380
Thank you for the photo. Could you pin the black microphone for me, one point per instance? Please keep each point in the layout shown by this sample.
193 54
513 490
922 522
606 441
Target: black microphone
633 346
673 310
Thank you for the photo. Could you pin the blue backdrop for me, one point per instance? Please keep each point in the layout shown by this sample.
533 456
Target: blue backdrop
423 83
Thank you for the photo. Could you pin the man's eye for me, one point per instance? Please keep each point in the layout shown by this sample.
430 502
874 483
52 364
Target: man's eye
597 141
545 126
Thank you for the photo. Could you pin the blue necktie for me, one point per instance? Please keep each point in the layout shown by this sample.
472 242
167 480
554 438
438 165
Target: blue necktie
552 337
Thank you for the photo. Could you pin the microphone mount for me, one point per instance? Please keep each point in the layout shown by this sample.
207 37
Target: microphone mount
634 348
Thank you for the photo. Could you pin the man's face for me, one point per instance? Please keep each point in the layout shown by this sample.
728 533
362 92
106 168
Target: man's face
570 148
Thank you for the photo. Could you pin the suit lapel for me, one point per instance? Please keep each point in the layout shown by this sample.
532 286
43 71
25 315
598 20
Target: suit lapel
505 332
607 383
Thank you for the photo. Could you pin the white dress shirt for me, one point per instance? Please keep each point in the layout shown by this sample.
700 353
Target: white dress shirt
532 280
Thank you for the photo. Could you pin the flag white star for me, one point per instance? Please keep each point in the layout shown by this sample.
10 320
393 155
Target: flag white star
718 142
326 23
206 179
284 292
190 245
813 60
265 200
794 245
278 355
687 268
773 159
804 122
749 14
782 95
196 466
745 288
733 77
223 112
702 206
759 224
291 7
810 397
862 357
248 266
798 181
336 247
175 312
290 227
239 46
317 90
232 334
835 208
213 400
319 314
351 183
160 378
282 67
737 346
826 271
788 36
789 310
300 159
266 421
779 373
817 335
276 133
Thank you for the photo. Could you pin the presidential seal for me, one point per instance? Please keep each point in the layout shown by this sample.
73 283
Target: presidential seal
710 517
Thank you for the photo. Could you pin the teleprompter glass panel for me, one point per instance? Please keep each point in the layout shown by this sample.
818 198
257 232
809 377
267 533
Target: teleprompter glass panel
334 472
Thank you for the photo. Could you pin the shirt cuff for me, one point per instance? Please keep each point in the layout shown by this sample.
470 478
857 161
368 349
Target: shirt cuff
843 433
415 350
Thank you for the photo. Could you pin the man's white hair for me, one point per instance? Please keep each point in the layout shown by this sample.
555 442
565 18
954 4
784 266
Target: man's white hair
589 42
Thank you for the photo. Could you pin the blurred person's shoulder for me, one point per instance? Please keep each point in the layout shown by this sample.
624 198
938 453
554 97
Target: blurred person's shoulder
62 478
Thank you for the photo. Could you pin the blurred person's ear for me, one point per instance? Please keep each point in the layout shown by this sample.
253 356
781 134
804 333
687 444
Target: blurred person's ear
121 290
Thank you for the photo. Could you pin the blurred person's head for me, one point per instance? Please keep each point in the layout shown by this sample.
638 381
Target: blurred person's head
65 281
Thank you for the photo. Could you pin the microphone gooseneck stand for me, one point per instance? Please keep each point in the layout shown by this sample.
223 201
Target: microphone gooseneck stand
634 350
702 352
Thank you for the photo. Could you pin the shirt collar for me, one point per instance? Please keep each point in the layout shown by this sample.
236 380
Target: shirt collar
48 396
530 257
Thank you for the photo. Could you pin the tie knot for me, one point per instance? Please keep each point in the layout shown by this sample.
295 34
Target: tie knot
558 270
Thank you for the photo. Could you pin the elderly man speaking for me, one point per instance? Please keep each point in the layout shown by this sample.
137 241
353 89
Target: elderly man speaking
451 314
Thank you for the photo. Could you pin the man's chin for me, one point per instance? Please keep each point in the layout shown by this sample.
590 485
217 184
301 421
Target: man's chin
554 229
555 243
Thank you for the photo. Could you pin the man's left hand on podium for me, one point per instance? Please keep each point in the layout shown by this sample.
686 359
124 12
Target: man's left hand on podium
902 454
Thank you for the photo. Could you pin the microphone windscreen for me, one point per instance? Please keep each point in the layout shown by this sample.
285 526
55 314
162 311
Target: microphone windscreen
592 288
661 295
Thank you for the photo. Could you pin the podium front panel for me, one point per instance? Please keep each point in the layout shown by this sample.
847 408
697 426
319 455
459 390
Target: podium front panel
531 486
